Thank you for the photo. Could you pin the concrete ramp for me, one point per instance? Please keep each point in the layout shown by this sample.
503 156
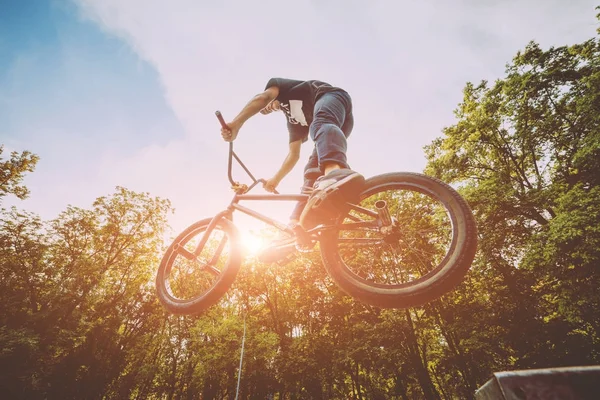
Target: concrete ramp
571 383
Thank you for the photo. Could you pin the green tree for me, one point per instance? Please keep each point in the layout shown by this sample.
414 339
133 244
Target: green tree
525 152
12 172
75 293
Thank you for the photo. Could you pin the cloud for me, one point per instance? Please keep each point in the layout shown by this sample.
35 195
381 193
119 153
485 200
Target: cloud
387 53
404 63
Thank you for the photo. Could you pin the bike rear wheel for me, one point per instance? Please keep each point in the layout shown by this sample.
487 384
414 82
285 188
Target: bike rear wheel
192 278
424 253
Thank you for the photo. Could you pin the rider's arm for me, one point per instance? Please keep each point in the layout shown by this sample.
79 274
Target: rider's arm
257 103
291 159
288 164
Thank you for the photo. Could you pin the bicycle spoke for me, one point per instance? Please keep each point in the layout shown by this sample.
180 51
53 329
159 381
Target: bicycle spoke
358 242
358 225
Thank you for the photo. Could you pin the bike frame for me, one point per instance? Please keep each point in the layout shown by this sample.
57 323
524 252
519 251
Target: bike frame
299 233
242 190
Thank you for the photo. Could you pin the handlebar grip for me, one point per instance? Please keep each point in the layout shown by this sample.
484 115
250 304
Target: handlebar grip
221 120
263 181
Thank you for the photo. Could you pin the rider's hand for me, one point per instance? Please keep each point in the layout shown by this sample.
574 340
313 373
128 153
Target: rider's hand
271 184
272 106
230 133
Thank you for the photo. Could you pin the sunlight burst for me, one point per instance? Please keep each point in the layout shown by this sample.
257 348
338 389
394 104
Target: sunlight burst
252 242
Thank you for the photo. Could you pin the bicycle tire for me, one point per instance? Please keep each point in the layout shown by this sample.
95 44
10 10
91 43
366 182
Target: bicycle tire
218 288
443 278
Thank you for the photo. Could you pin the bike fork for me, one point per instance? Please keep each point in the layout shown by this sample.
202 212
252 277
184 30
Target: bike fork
213 223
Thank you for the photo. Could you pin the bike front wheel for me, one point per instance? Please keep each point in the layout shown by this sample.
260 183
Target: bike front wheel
423 251
192 278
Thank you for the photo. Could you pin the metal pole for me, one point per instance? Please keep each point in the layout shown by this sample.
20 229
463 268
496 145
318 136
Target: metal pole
241 360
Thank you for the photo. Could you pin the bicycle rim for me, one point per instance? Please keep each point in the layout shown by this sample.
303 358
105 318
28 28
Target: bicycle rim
190 278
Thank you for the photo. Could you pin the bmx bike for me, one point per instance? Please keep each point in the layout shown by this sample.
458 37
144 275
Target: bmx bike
410 239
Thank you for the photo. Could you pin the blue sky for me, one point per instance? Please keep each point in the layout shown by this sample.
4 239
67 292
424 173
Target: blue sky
72 93
111 92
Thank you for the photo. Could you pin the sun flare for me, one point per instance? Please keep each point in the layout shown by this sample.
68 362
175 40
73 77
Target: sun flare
252 242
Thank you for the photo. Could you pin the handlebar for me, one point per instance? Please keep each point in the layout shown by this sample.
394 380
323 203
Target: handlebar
221 120
236 185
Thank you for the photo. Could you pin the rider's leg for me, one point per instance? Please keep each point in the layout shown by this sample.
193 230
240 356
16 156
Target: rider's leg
333 111
332 124
312 169
311 173
282 247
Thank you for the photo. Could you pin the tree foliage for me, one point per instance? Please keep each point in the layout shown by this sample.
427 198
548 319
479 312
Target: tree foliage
526 152
12 172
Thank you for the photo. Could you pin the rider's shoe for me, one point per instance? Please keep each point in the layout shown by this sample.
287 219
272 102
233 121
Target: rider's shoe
330 194
278 250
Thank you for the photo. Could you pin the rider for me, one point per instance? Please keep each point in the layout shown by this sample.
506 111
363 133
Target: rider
325 112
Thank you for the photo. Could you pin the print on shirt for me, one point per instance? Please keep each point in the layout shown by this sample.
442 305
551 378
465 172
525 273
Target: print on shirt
294 113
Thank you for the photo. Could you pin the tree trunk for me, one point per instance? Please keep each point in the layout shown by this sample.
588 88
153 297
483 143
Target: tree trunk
455 348
418 364
399 387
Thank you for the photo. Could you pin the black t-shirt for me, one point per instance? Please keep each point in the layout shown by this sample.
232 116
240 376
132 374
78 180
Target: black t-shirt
298 100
